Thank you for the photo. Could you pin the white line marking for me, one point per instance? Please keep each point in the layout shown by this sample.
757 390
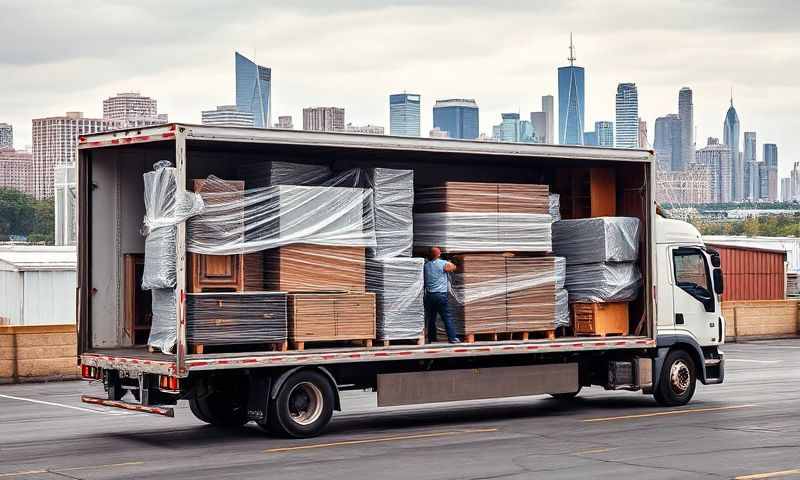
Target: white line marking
751 361
71 407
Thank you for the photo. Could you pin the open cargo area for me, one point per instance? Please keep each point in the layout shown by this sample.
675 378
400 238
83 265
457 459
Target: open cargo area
205 247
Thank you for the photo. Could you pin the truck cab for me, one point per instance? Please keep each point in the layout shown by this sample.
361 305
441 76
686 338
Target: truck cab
688 306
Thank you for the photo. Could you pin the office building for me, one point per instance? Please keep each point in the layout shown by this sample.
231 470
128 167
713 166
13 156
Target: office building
571 101
794 183
686 114
323 119
786 189
132 110
605 133
437 132
365 129
285 122
771 162
508 129
227 116
717 158
15 170
547 109
526 132
627 116
763 181
643 141
750 166
730 137
66 205
55 142
539 126
667 143
404 114
459 117
254 90
6 136
590 139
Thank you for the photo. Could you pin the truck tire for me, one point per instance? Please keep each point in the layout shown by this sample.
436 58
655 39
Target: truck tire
678 379
303 407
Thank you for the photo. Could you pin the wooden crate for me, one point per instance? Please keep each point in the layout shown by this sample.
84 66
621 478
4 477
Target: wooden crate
600 318
325 317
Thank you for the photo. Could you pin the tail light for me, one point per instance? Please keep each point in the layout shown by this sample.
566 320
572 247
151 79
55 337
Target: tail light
91 373
168 383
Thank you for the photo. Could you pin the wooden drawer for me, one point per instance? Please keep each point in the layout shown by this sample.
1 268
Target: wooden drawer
600 318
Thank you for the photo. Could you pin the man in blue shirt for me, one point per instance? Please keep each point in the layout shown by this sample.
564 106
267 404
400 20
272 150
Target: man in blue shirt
436 293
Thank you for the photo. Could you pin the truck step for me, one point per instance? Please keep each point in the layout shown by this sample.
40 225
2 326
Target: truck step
712 362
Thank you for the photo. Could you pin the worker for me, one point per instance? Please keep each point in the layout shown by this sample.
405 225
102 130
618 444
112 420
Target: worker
436 293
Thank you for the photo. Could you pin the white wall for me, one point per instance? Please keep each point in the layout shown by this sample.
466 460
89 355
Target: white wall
11 296
49 297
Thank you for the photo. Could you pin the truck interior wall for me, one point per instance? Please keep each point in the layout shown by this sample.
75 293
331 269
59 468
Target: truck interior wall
115 211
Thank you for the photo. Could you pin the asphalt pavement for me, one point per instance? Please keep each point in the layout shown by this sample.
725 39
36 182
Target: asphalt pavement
749 428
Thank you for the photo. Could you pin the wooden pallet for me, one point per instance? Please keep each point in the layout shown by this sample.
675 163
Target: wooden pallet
199 348
301 346
498 336
400 341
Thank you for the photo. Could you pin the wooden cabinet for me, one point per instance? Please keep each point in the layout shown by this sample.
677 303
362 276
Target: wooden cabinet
600 318
138 310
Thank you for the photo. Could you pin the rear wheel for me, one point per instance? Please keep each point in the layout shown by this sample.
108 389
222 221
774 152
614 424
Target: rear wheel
303 406
677 381
221 404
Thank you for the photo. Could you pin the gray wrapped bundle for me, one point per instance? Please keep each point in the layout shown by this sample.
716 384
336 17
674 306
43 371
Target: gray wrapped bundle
562 308
236 318
267 174
483 232
603 282
554 200
393 200
599 239
398 286
163 330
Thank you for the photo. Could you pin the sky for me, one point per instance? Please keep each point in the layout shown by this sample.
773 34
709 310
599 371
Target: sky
59 56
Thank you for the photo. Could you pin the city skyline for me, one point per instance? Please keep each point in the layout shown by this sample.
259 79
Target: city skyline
359 75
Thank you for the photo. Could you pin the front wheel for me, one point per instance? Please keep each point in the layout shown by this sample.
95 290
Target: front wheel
677 381
304 405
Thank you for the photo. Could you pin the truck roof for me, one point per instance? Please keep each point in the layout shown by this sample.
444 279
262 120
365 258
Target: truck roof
167 132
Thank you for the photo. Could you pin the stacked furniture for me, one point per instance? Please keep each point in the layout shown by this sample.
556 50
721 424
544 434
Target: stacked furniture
318 317
601 253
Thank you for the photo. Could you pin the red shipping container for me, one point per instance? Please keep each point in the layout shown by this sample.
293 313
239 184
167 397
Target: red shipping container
752 273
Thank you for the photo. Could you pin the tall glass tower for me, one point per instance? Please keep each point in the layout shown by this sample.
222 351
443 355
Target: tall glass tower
457 116
730 137
627 103
404 114
686 114
570 101
750 167
253 90
605 133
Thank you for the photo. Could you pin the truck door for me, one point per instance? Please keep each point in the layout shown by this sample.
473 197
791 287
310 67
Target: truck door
694 302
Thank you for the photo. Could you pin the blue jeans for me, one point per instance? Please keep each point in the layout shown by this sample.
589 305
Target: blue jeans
436 304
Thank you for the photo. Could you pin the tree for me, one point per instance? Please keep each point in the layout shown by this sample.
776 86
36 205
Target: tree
23 215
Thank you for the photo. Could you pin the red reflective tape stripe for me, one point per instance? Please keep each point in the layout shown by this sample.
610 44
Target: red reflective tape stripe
168 135
115 141
532 347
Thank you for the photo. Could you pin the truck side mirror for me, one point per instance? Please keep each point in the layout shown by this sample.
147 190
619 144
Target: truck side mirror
719 285
715 261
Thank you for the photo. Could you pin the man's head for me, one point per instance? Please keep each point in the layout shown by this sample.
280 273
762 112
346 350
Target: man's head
436 252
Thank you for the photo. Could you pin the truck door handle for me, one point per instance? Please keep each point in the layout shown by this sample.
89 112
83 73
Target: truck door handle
678 319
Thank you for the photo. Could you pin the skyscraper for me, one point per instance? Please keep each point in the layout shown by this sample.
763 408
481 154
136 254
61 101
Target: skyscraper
254 90
15 170
404 114
667 143
590 139
55 142
458 117
133 110
763 181
508 129
605 133
730 137
6 136
227 116
570 101
547 109
686 114
717 158
643 141
323 119
539 123
771 162
750 167
627 109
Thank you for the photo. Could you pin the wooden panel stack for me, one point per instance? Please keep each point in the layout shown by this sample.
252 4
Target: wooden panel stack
475 197
318 317
601 319
315 268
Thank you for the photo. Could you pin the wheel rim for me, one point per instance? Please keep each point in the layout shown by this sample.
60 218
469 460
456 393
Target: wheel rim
679 377
305 403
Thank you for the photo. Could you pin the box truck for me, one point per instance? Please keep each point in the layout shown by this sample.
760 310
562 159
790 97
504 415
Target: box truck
676 325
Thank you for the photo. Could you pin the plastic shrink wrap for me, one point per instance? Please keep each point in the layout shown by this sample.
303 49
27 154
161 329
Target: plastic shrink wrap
236 318
163 330
270 173
393 196
398 286
483 232
603 282
165 208
498 293
599 239
555 206
562 308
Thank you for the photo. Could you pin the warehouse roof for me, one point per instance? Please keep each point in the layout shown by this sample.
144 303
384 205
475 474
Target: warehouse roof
22 258
790 245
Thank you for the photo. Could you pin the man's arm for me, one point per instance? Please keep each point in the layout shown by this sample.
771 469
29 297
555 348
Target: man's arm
449 267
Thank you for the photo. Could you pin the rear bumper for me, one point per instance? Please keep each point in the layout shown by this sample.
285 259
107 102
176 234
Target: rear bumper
163 411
